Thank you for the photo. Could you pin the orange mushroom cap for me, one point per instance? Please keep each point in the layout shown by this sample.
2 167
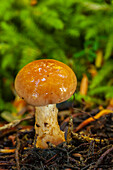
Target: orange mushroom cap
45 81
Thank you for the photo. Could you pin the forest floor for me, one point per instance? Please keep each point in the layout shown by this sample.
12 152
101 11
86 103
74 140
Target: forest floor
89 143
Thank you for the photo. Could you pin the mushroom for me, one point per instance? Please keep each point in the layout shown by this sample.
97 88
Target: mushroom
43 84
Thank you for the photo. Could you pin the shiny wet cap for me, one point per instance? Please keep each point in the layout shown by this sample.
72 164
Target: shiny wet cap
45 81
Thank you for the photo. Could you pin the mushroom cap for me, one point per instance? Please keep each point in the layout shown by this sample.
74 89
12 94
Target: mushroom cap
45 81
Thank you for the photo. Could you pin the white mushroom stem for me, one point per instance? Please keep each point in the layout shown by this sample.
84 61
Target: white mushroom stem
46 126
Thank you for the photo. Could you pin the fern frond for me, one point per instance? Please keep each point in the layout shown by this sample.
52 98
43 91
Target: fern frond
101 90
102 74
109 94
28 54
109 47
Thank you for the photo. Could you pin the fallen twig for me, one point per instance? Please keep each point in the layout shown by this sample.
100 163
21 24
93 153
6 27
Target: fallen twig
17 153
102 157
91 119
7 150
11 126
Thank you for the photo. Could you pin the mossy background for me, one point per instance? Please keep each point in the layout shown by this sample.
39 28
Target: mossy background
76 32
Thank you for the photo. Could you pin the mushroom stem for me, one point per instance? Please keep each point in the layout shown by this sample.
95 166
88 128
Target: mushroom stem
46 126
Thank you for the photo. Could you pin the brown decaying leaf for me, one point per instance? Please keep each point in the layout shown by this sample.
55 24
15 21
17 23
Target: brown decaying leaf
33 2
110 106
99 58
19 104
92 70
12 138
84 85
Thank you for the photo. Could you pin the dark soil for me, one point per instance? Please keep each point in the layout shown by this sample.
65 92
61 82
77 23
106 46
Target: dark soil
89 148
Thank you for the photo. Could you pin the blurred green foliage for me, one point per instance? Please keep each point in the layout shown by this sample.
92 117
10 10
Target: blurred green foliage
71 31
